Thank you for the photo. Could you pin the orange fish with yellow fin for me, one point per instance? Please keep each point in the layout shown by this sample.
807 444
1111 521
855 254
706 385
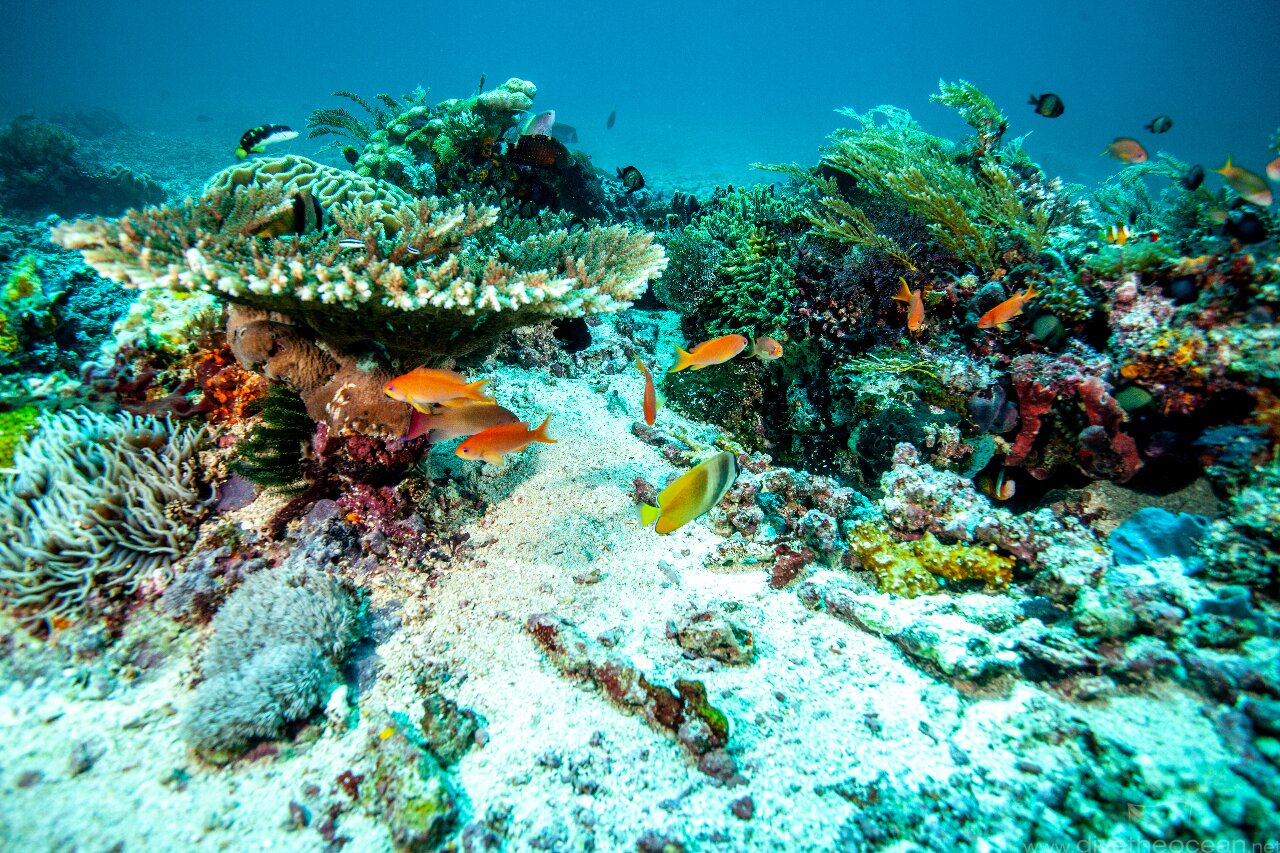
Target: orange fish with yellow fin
766 348
1251 187
492 444
714 351
915 305
425 387
1007 310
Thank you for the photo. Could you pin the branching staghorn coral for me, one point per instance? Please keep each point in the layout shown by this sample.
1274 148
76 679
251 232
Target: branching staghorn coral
96 504
332 321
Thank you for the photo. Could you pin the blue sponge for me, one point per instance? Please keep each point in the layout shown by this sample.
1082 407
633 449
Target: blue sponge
1153 532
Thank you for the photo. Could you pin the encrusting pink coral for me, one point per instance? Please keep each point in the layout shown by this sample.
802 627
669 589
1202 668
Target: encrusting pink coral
1046 385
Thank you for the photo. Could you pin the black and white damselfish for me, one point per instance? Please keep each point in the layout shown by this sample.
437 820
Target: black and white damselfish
257 138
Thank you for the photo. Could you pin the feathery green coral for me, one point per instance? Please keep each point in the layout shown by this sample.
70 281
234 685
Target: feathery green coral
978 111
271 455
972 203
836 219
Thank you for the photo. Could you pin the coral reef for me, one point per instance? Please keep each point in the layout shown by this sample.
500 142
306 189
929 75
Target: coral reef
443 283
408 790
1018 536
423 148
273 657
1154 532
40 170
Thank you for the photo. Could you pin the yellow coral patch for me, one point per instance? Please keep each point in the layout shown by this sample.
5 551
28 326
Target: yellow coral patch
24 281
15 426
912 568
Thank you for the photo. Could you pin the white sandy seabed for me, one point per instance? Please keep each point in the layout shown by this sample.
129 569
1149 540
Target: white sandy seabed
823 702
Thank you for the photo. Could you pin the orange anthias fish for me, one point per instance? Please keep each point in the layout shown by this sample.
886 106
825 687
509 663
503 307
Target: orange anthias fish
650 395
1273 169
446 422
1127 150
424 387
492 444
1252 187
711 352
1007 310
766 348
915 305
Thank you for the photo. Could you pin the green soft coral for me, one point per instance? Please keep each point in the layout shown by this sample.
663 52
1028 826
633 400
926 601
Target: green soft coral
976 108
24 306
24 281
761 290
987 206
735 262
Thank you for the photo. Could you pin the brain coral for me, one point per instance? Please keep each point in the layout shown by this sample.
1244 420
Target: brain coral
328 185
94 506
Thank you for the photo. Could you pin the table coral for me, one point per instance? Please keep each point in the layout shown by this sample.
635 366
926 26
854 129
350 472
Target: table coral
444 281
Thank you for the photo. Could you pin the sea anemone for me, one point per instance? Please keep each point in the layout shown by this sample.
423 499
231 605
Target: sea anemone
96 503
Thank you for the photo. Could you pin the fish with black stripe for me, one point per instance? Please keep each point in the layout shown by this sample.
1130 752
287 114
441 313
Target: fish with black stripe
299 214
255 139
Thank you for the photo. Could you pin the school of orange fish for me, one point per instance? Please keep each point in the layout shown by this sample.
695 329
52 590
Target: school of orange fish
447 406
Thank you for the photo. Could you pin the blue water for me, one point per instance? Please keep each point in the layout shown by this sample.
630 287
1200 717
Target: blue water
701 89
